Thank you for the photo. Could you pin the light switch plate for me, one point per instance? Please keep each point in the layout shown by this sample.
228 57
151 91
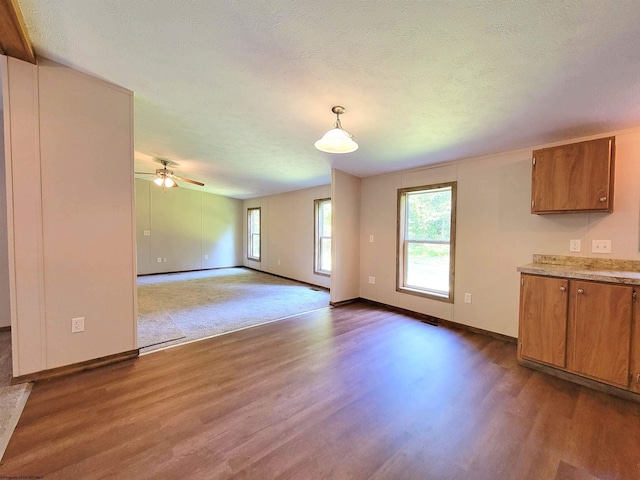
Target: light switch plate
467 298
372 280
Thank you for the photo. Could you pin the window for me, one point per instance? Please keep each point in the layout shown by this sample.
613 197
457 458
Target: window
426 240
323 236
253 234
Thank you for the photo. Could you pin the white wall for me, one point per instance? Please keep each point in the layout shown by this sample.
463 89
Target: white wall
345 231
5 310
184 226
495 232
24 215
69 154
287 234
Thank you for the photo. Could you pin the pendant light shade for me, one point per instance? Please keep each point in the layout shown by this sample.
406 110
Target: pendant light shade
337 140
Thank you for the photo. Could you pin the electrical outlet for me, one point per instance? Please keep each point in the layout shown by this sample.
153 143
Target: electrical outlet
601 246
77 325
372 280
206 257
159 259
147 233
575 245
371 238
467 298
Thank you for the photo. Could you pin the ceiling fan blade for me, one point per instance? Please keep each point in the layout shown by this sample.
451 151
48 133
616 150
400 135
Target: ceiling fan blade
144 173
187 180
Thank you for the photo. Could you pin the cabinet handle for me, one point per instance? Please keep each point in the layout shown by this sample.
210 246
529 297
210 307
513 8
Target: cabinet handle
563 289
580 290
603 199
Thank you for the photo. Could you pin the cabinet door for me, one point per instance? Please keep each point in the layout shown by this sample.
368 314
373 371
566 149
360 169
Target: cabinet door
635 348
600 331
576 177
543 319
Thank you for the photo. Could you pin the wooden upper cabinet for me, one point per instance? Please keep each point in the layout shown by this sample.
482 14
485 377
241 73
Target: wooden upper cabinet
543 319
573 178
600 331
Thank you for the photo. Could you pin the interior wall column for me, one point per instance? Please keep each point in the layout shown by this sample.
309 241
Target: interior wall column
345 232
24 215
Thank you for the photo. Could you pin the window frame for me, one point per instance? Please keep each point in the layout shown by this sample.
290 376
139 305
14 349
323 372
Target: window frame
317 204
401 243
250 234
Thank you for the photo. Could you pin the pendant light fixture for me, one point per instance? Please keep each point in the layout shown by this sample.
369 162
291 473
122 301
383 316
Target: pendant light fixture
337 140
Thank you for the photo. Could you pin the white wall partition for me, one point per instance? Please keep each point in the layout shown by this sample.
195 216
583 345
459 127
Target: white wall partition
24 215
345 251
69 155
5 298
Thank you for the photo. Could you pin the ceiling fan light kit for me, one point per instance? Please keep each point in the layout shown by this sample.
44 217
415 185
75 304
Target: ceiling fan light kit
165 178
166 182
337 140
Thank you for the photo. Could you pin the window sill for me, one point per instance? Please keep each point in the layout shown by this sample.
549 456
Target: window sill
425 294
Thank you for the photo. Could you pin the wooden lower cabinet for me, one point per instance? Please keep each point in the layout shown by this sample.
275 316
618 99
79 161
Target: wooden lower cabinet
543 319
634 374
581 327
600 331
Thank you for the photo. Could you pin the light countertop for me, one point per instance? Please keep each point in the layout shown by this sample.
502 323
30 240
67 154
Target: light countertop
626 272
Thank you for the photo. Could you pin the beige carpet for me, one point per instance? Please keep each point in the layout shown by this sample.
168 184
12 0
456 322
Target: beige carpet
12 398
157 328
210 302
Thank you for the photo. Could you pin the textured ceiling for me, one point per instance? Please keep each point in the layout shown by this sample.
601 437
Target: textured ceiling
236 92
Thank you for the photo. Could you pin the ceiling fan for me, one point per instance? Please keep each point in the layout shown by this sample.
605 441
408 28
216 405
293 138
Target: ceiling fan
165 177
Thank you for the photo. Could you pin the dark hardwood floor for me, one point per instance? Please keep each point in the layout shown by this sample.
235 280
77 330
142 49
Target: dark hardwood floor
353 392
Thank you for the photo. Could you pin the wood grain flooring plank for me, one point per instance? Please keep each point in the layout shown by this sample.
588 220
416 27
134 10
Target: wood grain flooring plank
351 392
566 471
